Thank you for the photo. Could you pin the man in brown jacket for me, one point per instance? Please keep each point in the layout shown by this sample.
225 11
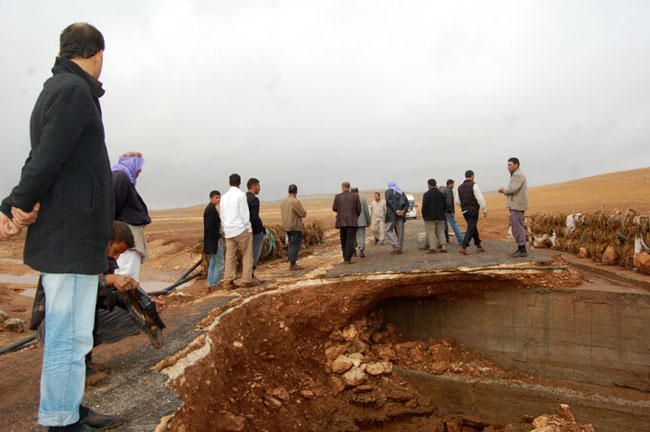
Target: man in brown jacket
517 202
292 213
348 208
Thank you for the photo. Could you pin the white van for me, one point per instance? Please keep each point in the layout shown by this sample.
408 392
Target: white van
411 213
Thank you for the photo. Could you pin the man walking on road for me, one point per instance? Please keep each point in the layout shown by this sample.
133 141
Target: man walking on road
292 213
450 211
363 222
212 241
378 218
348 208
253 186
238 232
433 213
470 199
396 206
517 202
68 172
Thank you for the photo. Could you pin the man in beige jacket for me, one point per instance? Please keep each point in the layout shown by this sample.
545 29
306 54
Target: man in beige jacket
517 201
292 213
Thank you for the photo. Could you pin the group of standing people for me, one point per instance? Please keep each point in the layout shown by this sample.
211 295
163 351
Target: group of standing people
238 222
387 218
69 198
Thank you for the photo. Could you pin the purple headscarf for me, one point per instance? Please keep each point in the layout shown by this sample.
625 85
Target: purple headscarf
393 185
130 163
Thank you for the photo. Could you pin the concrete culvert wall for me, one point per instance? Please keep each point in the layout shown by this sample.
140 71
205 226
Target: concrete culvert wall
583 335
267 363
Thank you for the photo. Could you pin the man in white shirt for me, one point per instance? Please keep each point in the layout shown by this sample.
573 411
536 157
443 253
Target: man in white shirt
470 198
235 219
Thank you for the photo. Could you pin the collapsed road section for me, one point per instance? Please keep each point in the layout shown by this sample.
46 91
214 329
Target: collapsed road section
474 349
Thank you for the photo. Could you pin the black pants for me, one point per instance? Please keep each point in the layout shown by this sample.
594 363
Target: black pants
471 216
295 241
348 235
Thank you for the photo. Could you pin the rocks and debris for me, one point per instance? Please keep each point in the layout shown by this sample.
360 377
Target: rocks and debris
3 316
561 421
15 324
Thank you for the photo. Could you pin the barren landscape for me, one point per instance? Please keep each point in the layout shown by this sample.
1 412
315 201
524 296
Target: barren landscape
355 348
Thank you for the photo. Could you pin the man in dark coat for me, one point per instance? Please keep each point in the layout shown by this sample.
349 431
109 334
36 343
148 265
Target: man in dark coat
212 243
433 213
68 173
253 185
396 206
348 208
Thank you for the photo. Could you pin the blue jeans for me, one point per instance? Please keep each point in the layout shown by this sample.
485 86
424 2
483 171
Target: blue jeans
215 269
258 242
454 225
69 319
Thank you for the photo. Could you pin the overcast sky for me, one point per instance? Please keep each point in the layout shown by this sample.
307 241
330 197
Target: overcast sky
317 92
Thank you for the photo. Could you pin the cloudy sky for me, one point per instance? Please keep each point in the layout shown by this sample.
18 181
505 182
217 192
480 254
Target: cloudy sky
317 92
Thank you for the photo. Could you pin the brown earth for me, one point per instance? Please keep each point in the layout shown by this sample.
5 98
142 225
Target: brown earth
174 232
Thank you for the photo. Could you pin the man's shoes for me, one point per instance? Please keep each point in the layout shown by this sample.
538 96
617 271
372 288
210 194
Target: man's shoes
296 267
520 253
75 427
432 251
355 253
424 248
479 249
230 285
439 247
347 262
463 251
362 254
250 284
376 240
443 250
396 251
98 421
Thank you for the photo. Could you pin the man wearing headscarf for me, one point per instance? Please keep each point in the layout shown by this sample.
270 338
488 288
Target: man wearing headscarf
396 206
130 208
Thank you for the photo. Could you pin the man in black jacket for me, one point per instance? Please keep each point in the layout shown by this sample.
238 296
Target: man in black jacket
254 187
68 173
212 242
433 213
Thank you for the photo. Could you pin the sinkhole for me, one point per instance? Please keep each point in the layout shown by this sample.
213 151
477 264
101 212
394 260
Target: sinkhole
481 350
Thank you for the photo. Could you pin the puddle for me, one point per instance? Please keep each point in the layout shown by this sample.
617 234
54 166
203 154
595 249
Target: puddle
28 292
11 260
26 279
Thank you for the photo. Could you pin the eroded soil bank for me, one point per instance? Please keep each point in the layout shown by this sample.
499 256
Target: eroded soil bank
277 361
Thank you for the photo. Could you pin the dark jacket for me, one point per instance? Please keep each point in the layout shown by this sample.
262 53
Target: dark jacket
449 200
466 196
129 205
394 203
433 205
68 172
211 229
348 208
254 210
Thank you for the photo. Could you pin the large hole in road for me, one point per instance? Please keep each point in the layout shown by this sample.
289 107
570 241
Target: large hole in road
454 350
